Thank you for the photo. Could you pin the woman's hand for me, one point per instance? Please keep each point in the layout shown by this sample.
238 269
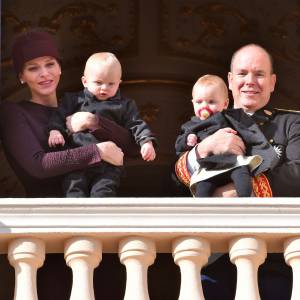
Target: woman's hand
81 121
111 153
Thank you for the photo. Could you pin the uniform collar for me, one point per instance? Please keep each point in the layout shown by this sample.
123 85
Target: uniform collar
263 114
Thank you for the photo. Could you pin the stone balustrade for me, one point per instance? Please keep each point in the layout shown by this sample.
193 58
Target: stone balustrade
138 229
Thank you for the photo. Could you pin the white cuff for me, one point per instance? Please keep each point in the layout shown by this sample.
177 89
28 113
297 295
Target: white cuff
192 163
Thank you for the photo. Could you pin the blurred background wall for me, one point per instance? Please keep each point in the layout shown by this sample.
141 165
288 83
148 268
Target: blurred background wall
163 46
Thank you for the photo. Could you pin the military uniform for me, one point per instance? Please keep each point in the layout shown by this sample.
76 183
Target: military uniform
282 129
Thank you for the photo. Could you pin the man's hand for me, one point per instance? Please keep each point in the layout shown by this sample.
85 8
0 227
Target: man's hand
148 152
55 138
81 121
225 140
111 153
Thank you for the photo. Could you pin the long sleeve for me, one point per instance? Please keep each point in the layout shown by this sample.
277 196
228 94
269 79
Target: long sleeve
138 127
24 137
201 128
284 179
111 131
181 141
67 106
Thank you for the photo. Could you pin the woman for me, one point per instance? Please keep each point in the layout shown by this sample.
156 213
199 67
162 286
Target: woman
23 126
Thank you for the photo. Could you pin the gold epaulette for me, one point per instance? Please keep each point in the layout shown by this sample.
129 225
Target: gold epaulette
287 110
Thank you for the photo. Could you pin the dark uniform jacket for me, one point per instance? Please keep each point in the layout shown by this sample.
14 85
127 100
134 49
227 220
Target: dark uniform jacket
281 129
121 110
248 130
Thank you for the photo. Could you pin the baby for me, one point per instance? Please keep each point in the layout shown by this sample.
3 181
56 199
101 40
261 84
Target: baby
101 96
210 95
210 101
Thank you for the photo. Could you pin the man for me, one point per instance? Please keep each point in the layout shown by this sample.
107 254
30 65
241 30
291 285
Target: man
251 80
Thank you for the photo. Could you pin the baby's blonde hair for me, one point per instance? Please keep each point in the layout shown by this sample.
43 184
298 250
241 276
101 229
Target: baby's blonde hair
214 80
107 58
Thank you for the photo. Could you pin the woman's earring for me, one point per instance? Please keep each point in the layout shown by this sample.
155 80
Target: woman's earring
22 82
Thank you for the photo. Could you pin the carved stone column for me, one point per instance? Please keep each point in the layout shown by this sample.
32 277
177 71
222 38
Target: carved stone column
292 258
26 255
137 254
190 254
83 254
247 253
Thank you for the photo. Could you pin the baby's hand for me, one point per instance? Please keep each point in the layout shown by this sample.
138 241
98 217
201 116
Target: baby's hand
191 140
148 152
55 138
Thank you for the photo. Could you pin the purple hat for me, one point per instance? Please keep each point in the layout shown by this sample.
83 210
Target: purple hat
31 45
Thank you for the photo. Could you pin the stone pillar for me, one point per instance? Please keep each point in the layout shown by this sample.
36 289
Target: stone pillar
191 254
247 253
292 258
137 254
26 255
83 255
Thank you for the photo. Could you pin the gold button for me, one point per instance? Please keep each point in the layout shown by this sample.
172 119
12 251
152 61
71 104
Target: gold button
261 123
271 141
268 113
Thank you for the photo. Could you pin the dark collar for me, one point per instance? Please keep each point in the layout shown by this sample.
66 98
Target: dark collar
263 115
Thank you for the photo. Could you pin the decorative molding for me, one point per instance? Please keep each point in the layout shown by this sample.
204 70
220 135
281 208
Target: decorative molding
142 215
80 28
198 30
133 82
86 21
217 220
157 81
286 33
149 112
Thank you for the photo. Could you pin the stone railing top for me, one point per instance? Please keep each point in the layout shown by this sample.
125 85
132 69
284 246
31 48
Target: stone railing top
163 219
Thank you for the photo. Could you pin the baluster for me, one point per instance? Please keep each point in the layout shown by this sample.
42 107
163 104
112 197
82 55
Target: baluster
137 254
191 254
26 255
83 254
247 253
292 258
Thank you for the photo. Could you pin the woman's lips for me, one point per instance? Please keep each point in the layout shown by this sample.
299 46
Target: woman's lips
45 83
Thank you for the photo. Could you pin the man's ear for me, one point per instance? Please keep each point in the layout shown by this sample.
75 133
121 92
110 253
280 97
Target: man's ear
83 80
229 80
273 81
